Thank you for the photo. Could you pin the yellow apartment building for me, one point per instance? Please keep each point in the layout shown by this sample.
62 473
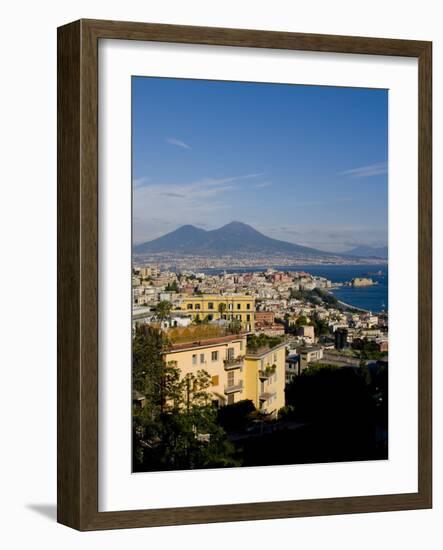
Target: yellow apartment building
265 378
234 307
235 374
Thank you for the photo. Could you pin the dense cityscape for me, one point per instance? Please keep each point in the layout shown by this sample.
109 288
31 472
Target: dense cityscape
251 347
191 262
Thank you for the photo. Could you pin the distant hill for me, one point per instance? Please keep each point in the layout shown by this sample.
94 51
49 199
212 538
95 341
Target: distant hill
368 252
235 238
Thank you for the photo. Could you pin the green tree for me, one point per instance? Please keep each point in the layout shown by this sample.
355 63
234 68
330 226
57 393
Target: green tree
163 310
152 379
237 416
197 320
195 388
321 327
256 342
176 428
148 368
171 287
301 321
234 326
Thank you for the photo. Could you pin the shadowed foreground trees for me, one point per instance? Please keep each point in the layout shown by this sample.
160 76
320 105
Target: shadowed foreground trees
176 426
237 416
344 412
329 393
333 414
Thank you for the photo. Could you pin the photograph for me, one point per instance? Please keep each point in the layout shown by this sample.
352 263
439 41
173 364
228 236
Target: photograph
259 274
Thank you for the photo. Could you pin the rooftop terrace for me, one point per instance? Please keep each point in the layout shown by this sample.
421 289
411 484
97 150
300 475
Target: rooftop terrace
259 344
183 337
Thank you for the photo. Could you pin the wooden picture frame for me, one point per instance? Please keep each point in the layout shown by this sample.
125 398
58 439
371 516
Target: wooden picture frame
78 274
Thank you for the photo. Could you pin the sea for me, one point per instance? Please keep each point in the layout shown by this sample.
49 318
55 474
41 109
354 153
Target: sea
372 298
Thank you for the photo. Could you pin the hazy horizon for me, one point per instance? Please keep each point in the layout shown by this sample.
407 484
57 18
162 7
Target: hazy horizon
226 224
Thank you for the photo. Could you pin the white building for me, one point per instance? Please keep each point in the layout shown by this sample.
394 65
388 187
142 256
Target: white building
310 354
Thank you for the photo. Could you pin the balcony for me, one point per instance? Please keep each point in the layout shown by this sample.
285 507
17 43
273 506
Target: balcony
233 388
267 372
264 396
234 362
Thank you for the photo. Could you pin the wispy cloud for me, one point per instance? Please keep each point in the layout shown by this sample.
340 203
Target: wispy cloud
178 143
179 203
263 184
376 169
204 187
324 202
173 194
195 191
139 182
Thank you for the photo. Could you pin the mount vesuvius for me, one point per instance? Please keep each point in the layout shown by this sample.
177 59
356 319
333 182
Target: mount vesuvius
233 239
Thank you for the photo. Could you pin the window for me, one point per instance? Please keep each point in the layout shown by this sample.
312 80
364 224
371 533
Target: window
231 378
241 345
194 359
230 307
231 399
238 306
230 353
214 380
202 357
210 317
248 317
189 306
214 356
197 306
210 305
248 306
238 317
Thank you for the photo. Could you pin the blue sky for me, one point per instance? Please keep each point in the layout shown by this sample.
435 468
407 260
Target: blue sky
305 164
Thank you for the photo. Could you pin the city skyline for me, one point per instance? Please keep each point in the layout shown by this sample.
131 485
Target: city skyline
303 164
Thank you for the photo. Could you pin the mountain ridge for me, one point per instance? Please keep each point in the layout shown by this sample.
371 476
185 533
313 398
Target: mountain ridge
232 238
365 251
